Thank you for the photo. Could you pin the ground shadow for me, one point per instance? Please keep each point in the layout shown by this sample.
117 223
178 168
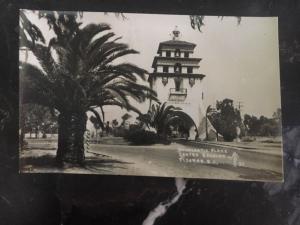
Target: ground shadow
45 161
96 164
48 163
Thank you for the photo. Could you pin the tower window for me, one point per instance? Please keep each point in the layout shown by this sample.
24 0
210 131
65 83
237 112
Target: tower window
177 53
168 53
165 69
177 68
190 69
178 83
186 55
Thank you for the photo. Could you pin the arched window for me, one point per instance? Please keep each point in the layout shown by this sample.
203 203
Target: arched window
178 83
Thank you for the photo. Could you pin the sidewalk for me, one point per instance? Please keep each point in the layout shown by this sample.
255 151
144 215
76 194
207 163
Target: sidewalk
266 148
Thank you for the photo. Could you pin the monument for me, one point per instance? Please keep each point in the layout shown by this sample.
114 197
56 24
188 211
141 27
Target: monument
177 80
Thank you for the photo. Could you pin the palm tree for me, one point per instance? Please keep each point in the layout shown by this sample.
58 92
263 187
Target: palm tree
78 75
161 116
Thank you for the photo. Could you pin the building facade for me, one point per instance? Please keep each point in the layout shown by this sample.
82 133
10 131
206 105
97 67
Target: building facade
177 80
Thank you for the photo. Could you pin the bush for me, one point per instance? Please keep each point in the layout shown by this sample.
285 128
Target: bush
119 131
143 137
229 136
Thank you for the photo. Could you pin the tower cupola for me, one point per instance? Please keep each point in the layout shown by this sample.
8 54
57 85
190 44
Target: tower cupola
176 33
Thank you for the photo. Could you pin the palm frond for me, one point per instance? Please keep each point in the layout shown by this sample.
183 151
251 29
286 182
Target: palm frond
31 29
131 68
88 32
95 60
100 122
118 55
37 88
96 44
45 58
160 116
84 74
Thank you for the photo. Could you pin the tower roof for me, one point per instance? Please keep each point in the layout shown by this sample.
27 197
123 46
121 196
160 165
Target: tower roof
183 75
176 44
194 61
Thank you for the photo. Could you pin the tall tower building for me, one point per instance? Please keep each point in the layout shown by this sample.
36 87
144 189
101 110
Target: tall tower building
177 79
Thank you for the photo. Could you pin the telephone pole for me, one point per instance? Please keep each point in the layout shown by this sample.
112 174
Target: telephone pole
240 105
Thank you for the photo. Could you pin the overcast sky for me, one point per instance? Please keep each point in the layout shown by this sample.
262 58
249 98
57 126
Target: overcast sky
240 62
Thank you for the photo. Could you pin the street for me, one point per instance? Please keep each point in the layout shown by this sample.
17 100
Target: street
258 161
163 160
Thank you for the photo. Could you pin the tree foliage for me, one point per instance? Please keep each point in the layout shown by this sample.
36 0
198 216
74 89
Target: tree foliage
79 74
263 126
95 122
83 76
125 117
115 123
197 21
161 116
39 119
226 119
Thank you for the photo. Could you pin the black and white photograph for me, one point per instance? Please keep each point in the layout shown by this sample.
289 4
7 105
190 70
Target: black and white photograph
115 93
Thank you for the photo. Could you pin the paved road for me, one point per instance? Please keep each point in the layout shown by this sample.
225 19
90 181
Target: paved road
260 161
163 160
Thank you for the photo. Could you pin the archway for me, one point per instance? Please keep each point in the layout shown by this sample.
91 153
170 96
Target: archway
182 125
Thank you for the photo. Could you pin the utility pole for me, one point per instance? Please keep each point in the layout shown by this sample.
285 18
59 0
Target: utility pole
240 105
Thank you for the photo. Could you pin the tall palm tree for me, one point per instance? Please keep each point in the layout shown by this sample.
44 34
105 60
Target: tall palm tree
78 75
161 116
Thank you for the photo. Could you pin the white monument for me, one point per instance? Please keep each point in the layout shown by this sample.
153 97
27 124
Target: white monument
177 80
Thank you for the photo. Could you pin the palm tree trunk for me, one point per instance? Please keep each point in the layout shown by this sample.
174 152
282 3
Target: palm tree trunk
71 128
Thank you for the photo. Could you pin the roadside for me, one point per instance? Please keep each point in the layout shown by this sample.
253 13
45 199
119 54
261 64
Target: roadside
117 158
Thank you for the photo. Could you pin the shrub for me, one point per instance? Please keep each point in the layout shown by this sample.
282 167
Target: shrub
229 136
143 137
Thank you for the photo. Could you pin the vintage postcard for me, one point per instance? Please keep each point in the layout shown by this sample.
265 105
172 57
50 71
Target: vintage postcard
150 95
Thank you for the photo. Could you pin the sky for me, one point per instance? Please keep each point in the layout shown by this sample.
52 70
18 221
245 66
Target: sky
240 61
